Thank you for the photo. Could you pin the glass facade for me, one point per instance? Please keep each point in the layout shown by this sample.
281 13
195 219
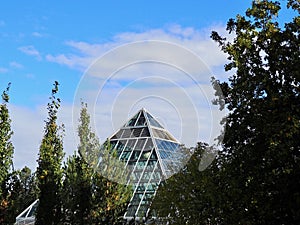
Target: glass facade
150 154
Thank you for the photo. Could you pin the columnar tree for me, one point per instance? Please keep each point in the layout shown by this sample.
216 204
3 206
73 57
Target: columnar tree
6 155
261 155
77 191
89 145
77 183
111 176
109 199
49 172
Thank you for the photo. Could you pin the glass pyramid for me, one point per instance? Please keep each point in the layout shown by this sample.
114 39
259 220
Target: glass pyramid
150 154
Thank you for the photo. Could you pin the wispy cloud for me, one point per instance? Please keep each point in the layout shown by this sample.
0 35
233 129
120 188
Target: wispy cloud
37 34
2 23
30 50
3 70
16 65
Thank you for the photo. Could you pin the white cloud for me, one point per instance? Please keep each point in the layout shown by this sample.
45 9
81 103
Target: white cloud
28 127
195 40
3 70
30 50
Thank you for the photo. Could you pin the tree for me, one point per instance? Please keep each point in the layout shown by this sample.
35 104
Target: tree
78 171
255 179
77 191
261 147
6 155
109 199
89 146
110 177
188 196
49 172
23 191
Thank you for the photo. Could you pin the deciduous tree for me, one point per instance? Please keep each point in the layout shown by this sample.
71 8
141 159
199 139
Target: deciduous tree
261 154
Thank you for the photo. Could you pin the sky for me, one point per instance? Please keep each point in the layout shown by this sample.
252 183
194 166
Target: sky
118 56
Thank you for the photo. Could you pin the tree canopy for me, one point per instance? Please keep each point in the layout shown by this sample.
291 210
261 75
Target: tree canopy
255 179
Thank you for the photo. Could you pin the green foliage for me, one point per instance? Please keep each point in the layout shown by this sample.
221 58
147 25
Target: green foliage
89 146
6 156
88 196
49 172
77 191
256 177
260 159
109 199
110 182
186 197
23 191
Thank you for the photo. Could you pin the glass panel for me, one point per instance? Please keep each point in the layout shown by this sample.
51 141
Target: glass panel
130 145
117 135
166 145
140 144
160 134
153 155
142 211
136 198
113 144
136 132
141 187
140 165
151 187
132 121
148 196
145 155
137 175
149 145
120 146
32 211
146 177
141 121
126 133
125 156
145 132
156 175
152 121
135 155
163 154
151 164
131 210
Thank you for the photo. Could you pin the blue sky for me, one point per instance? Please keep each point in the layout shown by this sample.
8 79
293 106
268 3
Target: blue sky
44 41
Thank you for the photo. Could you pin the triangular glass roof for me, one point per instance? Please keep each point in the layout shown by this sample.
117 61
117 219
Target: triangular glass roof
150 154
28 215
